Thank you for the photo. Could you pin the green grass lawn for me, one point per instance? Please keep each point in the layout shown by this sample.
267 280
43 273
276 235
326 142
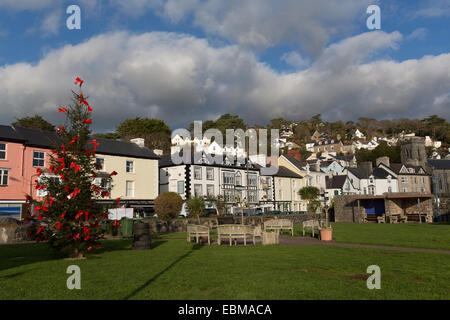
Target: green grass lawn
436 236
429 236
179 270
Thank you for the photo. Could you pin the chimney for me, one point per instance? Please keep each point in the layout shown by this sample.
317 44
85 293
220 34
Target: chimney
158 152
139 141
317 165
383 160
366 166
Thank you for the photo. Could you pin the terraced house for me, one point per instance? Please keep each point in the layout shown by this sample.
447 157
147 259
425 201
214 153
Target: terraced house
209 179
23 151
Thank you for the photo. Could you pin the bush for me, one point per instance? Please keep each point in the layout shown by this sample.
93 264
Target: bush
168 205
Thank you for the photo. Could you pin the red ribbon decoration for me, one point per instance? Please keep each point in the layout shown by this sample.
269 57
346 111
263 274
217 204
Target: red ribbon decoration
63 110
78 80
87 121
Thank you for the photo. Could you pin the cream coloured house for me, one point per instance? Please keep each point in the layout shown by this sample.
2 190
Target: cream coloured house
137 179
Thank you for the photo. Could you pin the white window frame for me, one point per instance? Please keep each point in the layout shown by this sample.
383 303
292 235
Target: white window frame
3 151
127 189
179 183
39 159
208 188
43 192
211 176
127 166
197 173
3 175
200 193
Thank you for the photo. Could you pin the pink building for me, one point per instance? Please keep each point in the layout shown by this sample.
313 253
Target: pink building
19 159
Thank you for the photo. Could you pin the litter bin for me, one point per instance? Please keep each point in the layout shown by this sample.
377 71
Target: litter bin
126 227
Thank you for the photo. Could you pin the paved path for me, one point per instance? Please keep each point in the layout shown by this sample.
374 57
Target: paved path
302 241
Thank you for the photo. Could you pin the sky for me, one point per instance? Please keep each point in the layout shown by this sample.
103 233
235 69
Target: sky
186 60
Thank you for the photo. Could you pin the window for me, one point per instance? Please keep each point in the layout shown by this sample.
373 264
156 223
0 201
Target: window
390 189
38 158
228 178
41 180
197 173
228 195
238 179
130 166
308 181
252 198
336 192
404 179
423 180
100 163
103 183
130 189
210 190
2 150
252 181
404 189
371 190
411 179
180 187
209 174
4 177
197 190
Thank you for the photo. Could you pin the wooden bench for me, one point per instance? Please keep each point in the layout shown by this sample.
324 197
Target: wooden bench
312 225
381 219
393 219
279 224
235 231
197 231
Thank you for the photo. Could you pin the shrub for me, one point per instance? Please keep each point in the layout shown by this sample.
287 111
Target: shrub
168 205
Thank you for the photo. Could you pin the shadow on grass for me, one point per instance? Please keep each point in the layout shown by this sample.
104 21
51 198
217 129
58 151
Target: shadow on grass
16 255
179 259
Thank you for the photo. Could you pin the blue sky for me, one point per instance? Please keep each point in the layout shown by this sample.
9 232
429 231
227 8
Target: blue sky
199 59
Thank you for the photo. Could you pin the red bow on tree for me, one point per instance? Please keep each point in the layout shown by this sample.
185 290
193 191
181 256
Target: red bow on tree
89 108
118 202
87 121
114 173
39 171
63 110
74 139
74 193
79 81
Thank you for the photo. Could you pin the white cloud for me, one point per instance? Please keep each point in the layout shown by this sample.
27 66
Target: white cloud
262 24
52 23
295 59
180 78
419 34
27 4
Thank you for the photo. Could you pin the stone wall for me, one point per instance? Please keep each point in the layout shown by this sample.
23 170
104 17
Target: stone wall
11 230
346 209
179 225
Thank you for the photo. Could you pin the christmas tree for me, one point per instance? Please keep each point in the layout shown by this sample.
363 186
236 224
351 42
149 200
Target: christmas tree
68 217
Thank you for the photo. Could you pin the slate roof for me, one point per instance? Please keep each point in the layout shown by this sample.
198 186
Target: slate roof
7 133
286 173
396 167
359 173
166 161
335 182
48 139
296 162
442 164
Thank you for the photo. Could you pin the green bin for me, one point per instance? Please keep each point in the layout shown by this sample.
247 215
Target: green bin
126 227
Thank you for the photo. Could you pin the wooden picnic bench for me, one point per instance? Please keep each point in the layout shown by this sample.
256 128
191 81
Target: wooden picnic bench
279 224
236 231
196 231
311 225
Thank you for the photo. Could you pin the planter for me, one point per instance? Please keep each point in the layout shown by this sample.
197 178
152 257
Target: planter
326 234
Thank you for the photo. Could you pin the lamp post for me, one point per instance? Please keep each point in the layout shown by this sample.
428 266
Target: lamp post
437 197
